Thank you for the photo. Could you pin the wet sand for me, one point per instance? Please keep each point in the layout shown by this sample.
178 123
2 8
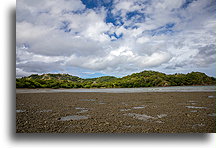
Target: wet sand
154 112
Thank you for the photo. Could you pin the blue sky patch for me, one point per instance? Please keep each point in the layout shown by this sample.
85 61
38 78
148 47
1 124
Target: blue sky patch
92 75
116 19
187 3
136 16
65 26
114 35
97 3
166 29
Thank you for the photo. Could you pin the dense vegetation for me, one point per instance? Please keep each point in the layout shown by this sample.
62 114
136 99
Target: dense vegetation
142 79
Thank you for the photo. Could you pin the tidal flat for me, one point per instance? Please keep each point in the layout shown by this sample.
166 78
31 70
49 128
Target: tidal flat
95 112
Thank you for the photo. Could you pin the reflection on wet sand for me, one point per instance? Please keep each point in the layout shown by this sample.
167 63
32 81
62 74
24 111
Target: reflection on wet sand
73 117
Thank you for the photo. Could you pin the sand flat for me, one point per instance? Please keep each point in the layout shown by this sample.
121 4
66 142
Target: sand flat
167 110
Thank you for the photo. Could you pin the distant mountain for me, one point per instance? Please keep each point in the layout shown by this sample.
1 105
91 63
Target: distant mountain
142 79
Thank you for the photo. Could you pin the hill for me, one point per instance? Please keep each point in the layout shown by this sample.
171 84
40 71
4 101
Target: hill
54 77
142 79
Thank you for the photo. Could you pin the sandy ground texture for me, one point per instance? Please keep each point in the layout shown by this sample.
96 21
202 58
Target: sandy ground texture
167 112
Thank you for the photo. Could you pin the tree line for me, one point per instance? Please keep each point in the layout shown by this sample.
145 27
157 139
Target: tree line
142 79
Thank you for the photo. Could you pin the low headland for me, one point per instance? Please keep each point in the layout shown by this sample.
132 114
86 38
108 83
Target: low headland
135 80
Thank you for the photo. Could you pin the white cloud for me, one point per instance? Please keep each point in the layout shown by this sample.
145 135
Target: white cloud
20 72
56 35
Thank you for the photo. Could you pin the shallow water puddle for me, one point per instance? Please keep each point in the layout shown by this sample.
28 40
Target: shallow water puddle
133 126
45 111
195 107
87 99
127 126
191 101
198 125
139 107
159 122
144 117
136 107
122 110
73 117
20 111
161 115
212 114
140 116
211 97
124 103
82 110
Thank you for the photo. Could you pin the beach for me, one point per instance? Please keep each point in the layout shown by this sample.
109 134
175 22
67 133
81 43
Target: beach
95 112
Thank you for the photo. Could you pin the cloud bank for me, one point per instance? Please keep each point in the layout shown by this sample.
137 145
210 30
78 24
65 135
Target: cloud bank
115 37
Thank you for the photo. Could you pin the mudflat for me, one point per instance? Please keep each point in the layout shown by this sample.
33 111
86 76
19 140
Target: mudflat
149 112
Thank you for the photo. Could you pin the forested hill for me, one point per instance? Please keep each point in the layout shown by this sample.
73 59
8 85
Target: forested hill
142 79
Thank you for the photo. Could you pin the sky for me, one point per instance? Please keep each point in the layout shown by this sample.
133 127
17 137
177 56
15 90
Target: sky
93 38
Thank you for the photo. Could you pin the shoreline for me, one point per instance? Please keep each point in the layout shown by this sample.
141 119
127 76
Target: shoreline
211 88
123 87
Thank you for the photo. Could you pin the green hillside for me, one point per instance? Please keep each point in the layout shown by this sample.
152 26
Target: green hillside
142 79
54 77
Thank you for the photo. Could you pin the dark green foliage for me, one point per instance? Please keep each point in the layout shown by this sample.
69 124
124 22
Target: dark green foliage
142 79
